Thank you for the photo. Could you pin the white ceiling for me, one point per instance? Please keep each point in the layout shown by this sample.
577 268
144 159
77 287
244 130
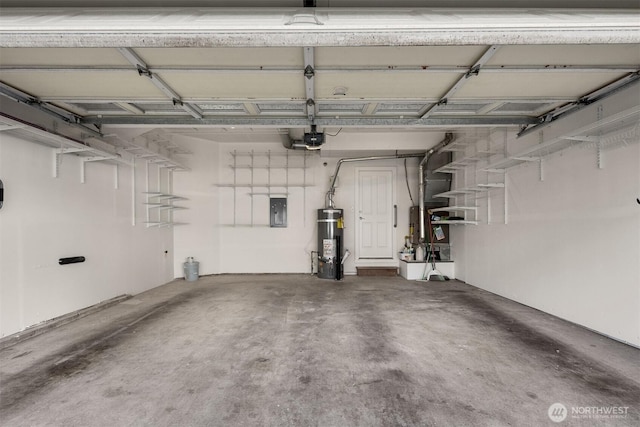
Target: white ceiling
417 86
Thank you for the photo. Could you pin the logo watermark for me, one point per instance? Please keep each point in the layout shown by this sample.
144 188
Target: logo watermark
558 412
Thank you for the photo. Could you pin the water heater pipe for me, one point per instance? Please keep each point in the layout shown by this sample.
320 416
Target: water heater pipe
448 137
332 188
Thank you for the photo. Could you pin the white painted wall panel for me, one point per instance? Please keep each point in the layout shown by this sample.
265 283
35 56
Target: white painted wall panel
572 243
199 237
260 248
222 248
45 218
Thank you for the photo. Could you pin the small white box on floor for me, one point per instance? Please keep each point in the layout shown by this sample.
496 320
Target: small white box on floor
414 270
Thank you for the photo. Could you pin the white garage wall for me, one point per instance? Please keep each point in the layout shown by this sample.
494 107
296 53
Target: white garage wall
262 249
199 236
220 247
572 243
46 218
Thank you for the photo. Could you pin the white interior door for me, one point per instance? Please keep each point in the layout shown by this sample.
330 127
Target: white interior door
374 213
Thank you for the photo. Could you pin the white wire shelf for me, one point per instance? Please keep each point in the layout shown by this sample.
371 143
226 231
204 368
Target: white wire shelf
459 192
275 193
264 186
454 208
64 144
162 206
272 167
454 222
163 223
153 157
165 196
456 165
585 135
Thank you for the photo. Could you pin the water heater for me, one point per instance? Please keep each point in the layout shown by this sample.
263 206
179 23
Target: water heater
330 225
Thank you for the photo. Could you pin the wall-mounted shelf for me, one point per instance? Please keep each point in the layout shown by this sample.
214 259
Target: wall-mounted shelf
464 162
458 192
249 167
465 209
160 224
153 157
164 196
470 156
601 133
454 209
264 186
454 222
274 168
160 208
62 145
456 165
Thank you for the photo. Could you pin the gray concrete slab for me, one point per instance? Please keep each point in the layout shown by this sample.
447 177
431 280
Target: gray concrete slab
294 350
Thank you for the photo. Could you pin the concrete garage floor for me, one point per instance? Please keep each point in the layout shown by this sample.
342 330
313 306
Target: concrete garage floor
295 350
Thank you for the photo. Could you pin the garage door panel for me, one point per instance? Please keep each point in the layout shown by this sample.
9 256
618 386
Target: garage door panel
238 85
62 57
83 85
385 85
397 56
223 57
534 85
628 54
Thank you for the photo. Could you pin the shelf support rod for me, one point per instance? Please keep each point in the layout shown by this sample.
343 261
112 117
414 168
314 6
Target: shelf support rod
506 204
83 171
57 160
133 191
146 167
251 197
599 115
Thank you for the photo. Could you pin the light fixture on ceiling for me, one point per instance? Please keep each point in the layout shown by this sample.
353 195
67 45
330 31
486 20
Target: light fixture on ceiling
340 91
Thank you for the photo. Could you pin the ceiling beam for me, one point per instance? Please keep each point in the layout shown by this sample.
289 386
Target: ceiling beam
135 60
558 68
288 101
237 27
304 122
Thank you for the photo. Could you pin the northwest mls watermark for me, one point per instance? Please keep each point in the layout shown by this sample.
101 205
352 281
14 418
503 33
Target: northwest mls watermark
558 412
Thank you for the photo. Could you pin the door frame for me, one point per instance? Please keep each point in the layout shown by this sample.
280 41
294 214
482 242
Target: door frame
394 202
